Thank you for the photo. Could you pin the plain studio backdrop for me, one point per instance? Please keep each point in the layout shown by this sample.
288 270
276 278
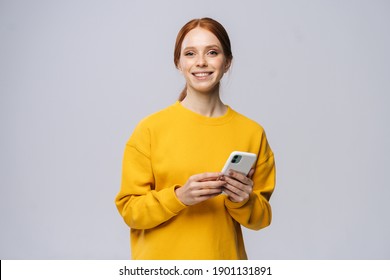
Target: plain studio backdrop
77 76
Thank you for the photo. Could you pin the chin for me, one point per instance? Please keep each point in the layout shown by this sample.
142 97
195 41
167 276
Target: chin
206 88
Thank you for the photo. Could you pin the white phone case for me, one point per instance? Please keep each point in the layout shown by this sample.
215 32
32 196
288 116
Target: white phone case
239 161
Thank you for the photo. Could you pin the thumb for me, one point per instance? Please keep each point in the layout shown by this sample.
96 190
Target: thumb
251 172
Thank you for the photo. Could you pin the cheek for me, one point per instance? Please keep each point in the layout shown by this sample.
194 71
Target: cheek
219 63
182 66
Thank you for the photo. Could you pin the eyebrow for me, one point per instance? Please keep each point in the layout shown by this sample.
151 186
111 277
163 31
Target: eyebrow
206 47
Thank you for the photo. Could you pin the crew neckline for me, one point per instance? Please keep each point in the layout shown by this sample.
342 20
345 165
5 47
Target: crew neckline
204 119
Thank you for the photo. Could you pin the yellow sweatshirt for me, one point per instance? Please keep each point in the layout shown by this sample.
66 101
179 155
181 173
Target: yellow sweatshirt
165 149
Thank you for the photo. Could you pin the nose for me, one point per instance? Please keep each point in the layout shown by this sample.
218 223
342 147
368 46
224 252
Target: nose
201 62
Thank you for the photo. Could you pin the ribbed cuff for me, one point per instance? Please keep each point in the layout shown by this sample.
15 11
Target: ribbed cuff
235 205
171 201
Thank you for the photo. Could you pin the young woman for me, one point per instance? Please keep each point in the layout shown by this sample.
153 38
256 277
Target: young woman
170 195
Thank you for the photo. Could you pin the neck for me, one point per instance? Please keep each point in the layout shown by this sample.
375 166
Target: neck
206 104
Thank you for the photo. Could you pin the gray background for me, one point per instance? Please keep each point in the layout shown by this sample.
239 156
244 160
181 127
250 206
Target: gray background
77 76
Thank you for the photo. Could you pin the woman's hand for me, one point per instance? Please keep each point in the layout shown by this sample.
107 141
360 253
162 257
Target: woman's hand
200 187
238 186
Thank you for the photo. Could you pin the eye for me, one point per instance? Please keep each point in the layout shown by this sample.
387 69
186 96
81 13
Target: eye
213 53
190 53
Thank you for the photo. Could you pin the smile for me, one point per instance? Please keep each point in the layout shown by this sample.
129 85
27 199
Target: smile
202 74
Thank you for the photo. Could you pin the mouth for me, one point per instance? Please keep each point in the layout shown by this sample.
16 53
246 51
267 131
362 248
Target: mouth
202 75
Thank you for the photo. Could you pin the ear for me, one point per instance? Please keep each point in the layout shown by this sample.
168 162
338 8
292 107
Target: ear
179 68
228 64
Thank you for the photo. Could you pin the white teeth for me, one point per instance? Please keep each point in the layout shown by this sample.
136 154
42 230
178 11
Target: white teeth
201 74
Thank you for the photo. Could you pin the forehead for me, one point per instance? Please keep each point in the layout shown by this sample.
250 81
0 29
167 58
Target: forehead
198 38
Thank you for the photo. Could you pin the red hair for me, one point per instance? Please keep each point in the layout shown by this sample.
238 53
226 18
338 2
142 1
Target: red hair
209 24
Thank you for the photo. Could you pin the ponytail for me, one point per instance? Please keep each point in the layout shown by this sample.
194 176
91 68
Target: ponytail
183 94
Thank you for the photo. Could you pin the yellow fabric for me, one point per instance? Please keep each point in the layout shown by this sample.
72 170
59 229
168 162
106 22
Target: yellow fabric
167 148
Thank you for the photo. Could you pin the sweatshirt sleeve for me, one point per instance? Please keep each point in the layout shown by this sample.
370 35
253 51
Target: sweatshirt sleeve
256 213
140 205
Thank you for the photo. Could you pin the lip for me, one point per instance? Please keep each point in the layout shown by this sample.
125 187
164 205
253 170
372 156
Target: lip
202 75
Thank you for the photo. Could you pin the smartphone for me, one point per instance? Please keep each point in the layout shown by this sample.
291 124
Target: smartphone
239 161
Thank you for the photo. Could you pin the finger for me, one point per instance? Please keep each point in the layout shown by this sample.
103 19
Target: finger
207 176
240 177
235 197
251 172
204 194
238 185
210 184
202 198
208 192
234 189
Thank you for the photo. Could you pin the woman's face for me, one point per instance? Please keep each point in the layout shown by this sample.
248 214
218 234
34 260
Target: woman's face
202 60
